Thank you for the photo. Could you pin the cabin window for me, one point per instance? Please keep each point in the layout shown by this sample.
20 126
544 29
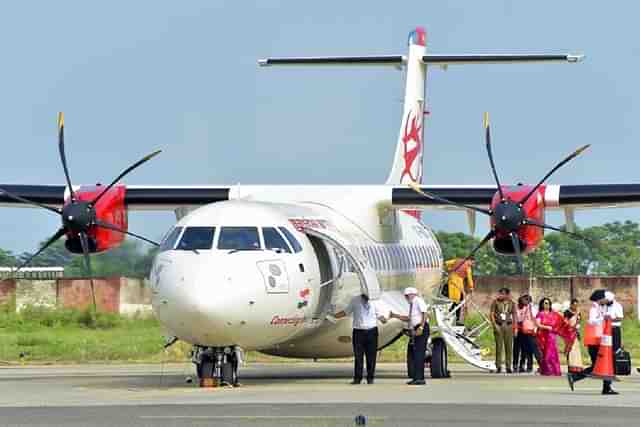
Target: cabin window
195 238
170 239
297 247
239 238
274 240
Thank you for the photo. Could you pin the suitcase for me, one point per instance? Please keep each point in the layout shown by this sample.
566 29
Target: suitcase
623 362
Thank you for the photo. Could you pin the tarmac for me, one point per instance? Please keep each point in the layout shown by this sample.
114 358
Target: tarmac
303 394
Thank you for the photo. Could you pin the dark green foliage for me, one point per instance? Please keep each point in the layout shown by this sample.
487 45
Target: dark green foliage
613 249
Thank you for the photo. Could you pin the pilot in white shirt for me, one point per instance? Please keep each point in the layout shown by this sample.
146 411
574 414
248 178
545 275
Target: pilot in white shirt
364 338
418 329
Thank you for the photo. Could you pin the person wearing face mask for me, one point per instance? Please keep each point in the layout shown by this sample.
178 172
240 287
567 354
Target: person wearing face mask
593 333
614 310
418 331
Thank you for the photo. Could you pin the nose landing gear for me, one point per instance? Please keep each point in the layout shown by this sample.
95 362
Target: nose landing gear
216 366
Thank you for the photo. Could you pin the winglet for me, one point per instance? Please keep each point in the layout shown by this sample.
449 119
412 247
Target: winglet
485 120
60 120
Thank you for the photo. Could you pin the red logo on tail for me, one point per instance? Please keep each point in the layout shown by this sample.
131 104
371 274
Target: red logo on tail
411 155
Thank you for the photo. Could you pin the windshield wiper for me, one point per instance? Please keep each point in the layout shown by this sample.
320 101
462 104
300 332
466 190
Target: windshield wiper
233 251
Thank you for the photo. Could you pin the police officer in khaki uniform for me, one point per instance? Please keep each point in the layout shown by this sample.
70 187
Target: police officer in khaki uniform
503 318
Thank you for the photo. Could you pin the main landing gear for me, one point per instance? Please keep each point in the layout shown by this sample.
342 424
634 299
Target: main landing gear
216 365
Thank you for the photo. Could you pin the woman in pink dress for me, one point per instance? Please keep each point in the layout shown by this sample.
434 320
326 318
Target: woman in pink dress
549 322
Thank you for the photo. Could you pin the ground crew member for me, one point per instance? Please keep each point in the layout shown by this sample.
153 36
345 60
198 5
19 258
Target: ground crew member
503 318
597 315
418 331
460 273
365 335
614 309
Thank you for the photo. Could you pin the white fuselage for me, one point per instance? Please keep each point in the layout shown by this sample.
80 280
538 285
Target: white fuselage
276 300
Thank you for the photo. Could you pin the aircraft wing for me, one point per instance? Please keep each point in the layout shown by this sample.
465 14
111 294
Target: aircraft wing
576 197
137 197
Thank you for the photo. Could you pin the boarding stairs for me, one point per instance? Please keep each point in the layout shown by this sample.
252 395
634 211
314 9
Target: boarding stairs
459 338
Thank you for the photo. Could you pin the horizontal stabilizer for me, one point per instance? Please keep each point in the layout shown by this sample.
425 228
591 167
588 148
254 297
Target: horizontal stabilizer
394 60
497 58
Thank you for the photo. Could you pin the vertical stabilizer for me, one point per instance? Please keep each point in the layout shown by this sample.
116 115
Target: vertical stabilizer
407 161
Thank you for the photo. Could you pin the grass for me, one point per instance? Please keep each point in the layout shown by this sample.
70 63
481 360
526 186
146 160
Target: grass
46 335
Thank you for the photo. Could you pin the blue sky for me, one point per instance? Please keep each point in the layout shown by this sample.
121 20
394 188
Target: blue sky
133 77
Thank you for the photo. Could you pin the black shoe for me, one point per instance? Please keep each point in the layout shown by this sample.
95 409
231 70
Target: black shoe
509 371
418 382
610 391
570 379
499 371
370 381
521 370
354 382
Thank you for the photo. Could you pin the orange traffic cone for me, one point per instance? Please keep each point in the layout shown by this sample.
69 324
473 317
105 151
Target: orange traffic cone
604 362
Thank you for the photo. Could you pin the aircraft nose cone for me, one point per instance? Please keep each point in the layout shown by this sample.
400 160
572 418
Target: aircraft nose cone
211 300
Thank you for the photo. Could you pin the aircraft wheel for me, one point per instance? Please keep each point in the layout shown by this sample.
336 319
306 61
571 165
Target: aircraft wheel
439 359
206 368
228 376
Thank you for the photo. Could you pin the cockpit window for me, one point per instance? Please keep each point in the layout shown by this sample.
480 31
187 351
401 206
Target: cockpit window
290 237
274 240
195 238
170 240
239 238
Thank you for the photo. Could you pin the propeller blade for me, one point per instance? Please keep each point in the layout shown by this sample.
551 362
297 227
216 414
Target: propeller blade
558 166
30 202
432 196
84 241
528 221
109 226
125 172
48 243
516 247
493 166
490 235
63 157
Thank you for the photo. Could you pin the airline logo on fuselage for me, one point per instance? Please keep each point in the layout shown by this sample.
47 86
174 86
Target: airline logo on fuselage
300 224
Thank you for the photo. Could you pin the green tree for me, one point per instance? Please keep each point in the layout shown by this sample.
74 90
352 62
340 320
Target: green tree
55 255
124 260
7 259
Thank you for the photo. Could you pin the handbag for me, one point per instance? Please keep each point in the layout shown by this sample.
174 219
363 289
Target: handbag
592 334
574 360
623 362
528 327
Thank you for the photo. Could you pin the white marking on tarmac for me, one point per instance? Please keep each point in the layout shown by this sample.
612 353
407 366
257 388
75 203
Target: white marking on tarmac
266 417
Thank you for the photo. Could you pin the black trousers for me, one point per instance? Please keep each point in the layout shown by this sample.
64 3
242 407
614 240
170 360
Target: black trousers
416 351
593 354
365 343
616 333
525 348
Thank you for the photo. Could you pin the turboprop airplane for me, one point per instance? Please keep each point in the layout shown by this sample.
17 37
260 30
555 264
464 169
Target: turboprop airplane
262 268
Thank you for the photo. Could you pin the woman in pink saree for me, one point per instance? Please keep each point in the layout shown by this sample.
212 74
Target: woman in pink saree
549 321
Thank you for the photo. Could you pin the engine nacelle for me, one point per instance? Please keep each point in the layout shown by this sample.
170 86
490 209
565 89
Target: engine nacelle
529 236
110 209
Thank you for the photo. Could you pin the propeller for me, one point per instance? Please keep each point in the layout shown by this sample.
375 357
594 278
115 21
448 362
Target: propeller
79 217
508 215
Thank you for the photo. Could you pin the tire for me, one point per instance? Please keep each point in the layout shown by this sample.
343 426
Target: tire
439 359
206 368
227 373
